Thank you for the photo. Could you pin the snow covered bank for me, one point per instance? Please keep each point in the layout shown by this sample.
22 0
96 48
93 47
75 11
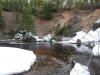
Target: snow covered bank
80 69
96 50
15 60
47 37
98 21
23 34
79 35
91 36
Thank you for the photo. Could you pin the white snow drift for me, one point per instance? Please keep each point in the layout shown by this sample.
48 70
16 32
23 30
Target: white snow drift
96 50
79 35
80 69
15 60
91 36
46 38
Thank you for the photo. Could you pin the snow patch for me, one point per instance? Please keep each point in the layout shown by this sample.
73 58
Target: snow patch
98 21
79 35
15 60
20 36
47 37
91 36
96 50
79 70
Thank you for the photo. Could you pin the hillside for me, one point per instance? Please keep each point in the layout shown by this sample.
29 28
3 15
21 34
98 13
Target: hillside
85 19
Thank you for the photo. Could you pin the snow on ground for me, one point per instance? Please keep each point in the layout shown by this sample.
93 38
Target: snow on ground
98 21
37 38
80 69
15 60
96 50
29 34
18 36
97 30
91 36
86 37
47 37
79 35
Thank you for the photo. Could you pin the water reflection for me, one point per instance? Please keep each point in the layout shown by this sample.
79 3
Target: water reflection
28 46
43 45
54 50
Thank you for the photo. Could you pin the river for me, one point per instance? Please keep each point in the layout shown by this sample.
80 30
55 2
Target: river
46 51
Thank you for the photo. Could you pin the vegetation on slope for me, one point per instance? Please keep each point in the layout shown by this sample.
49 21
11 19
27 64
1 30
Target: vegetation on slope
26 9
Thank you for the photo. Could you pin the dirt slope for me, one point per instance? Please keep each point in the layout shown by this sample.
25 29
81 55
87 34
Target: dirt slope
87 18
43 27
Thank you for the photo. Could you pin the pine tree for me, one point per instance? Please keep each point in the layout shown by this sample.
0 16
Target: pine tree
25 22
1 17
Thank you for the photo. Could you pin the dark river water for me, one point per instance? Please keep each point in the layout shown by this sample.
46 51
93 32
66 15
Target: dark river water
61 52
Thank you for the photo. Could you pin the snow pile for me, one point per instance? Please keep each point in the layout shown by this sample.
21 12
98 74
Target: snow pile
79 70
37 38
15 60
91 36
98 21
97 30
47 37
18 36
96 50
53 41
25 34
86 37
79 35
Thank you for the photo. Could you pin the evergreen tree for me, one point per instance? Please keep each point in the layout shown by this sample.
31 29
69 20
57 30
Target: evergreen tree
47 9
1 17
25 22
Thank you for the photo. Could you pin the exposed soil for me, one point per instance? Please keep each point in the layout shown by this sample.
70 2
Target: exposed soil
49 66
43 27
86 19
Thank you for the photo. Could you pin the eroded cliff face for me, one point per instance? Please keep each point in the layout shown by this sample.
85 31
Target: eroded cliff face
81 19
